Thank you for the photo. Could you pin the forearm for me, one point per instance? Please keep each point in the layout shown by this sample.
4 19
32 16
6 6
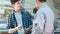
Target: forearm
12 30
30 27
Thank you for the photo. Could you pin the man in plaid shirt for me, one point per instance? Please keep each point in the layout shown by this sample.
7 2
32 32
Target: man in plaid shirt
19 20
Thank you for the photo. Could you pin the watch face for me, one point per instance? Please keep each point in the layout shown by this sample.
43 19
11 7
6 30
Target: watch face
57 4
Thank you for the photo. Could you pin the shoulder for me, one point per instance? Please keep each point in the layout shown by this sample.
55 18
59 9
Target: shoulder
24 11
10 15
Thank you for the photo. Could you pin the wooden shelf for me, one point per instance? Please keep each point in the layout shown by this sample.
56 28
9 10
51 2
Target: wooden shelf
57 2
4 33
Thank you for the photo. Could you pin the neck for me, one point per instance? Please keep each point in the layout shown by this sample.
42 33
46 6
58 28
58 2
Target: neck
42 4
16 11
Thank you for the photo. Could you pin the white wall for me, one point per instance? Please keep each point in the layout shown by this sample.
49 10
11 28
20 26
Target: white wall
51 4
29 5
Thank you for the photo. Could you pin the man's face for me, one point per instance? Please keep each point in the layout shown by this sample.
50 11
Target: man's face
18 5
37 4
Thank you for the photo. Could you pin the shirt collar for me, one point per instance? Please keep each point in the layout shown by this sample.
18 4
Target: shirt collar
43 6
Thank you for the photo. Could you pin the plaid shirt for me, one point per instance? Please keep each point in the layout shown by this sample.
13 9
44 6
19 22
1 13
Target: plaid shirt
12 22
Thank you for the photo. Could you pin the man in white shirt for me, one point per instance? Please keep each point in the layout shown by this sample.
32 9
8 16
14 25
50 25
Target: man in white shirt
44 21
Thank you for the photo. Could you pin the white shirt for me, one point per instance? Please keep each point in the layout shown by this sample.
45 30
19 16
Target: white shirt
40 20
19 22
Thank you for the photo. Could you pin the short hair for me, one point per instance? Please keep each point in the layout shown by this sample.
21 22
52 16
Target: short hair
42 0
13 1
35 10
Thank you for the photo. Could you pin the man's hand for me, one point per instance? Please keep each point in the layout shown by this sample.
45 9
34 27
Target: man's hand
19 27
26 31
14 29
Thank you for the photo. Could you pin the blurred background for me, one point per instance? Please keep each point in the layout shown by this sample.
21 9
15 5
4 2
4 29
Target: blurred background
6 8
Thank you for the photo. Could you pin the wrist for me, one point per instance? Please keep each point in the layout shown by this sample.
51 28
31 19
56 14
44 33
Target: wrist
16 28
